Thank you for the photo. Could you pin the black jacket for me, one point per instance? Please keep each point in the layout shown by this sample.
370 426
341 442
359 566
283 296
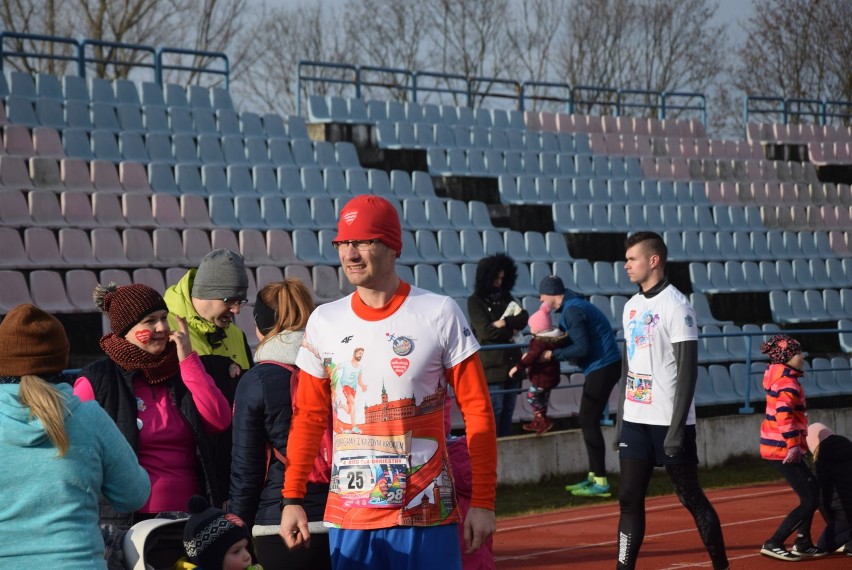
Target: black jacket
833 466
487 305
113 388
262 413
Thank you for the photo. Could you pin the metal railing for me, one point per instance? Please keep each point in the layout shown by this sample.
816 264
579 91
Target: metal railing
519 93
105 53
787 109
746 383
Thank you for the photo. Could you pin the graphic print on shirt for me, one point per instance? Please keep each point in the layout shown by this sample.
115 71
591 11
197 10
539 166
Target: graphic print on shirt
390 464
640 332
375 466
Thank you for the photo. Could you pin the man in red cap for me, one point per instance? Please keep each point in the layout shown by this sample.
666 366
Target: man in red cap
415 343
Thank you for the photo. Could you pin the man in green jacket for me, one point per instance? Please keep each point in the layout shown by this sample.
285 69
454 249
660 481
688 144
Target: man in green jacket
210 298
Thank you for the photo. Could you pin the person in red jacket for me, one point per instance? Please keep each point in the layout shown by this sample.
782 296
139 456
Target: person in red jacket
783 443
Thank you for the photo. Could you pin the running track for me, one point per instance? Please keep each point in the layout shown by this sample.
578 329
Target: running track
584 537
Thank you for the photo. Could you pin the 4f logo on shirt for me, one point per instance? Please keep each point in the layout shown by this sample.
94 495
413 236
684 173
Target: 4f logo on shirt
346 339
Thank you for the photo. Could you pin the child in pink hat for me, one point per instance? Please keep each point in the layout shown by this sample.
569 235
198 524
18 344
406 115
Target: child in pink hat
544 376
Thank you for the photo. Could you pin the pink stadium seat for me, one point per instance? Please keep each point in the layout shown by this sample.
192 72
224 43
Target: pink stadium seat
75 175
279 247
109 210
79 284
44 174
13 255
138 247
42 248
46 143
168 248
532 120
136 210
133 178
18 141
253 248
194 212
221 238
300 272
13 290
196 244
267 274
108 248
565 123
14 174
45 209
77 210
76 248
14 210
547 122
48 292
118 276
105 176
151 277
326 287
165 211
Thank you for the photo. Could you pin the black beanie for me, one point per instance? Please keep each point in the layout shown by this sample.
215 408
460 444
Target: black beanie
210 533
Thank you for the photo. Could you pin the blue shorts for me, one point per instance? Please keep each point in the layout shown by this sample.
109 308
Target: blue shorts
645 442
397 548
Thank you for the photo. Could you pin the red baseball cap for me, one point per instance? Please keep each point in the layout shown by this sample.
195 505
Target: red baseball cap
370 217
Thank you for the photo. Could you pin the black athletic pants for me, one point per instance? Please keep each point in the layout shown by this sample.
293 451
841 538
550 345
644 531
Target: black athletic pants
635 476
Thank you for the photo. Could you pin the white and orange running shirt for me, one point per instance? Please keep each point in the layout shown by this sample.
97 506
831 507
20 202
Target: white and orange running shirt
384 373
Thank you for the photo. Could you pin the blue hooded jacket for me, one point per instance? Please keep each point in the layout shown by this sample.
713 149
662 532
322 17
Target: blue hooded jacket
592 343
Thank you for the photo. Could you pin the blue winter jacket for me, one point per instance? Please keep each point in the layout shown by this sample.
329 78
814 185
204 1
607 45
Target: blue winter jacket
592 344
49 509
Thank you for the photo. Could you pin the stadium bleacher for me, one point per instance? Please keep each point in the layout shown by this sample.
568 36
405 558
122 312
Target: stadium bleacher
125 181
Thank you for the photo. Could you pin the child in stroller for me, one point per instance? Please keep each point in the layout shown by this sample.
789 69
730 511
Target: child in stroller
210 539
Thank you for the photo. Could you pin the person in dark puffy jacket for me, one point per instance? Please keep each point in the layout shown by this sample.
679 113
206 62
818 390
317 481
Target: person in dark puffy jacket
496 317
263 408
833 465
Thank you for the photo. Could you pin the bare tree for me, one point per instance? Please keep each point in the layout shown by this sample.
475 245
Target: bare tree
597 49
211 25
388 33
531 37
640 45
470 40
797 49
285 37
680 50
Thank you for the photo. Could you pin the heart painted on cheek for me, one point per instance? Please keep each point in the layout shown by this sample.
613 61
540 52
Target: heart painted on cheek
399 365
143 336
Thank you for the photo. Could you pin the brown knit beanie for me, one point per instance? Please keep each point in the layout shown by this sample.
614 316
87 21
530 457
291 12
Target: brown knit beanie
127 305
32 342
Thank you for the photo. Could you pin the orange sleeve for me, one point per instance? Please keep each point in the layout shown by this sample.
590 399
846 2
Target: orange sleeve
468 381
310 420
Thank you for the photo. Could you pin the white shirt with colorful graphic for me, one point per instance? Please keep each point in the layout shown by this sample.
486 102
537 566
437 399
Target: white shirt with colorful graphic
651 326
390 464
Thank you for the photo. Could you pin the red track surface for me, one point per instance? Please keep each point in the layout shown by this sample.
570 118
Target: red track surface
585 537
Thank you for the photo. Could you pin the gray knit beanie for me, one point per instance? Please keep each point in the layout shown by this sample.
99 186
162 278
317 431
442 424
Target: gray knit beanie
221 274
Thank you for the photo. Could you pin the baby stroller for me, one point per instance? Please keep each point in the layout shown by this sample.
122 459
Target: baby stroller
154 544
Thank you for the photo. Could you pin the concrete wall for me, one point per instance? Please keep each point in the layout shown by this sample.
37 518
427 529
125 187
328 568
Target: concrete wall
530 458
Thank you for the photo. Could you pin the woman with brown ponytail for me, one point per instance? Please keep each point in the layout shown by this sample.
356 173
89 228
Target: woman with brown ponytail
57 455
263 408
156 390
